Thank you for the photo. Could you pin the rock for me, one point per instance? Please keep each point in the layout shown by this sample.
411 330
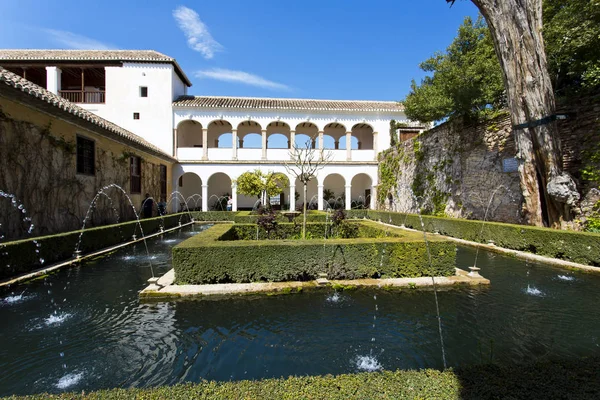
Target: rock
562 188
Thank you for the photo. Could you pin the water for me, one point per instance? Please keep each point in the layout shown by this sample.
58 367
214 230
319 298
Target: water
111 339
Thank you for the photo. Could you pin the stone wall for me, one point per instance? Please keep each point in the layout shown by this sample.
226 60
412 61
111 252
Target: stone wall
462 171
38 164
453 170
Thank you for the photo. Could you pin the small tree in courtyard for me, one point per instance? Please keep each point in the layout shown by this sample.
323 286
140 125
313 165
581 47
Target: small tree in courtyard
304 164
260 184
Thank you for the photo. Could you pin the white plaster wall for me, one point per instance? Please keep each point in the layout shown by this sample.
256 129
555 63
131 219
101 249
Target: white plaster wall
156 111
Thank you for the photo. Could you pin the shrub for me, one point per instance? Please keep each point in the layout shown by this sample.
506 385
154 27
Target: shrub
212 257
580 247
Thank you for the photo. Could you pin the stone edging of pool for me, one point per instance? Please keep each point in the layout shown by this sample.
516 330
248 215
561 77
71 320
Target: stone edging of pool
164 288
515 253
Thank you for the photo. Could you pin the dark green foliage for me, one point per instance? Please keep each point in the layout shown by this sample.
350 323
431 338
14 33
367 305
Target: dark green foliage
465 81
572 40
22 258
580 247
577 379
214 215
212 257
267 221
284 231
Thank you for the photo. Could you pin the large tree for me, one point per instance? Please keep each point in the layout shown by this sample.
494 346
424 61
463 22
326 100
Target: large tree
465 81
516 30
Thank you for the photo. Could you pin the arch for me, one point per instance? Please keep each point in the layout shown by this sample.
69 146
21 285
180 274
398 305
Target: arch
284 183
362 187
302 140
329 142
225 141
306 129
334 191
311 194
215 129
219 188
189 134
190 186
337 133
246 131
278 135
364 135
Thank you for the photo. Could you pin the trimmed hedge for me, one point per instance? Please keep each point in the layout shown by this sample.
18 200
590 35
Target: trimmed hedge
580 247
577 379
212 257
314 230
214 215
20 257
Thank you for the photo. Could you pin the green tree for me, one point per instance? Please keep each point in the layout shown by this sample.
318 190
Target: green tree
572 37
464 81
260 184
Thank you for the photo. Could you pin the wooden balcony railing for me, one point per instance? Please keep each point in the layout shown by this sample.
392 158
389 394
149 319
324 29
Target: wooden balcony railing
79 96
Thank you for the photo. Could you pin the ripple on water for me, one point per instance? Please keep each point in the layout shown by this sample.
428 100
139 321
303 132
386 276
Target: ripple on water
532 290
566 277
14 299
56 319
69 380
334 298
368 363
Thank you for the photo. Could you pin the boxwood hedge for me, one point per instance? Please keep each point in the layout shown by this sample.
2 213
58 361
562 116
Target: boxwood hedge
577 379
20 256
580 247
214 256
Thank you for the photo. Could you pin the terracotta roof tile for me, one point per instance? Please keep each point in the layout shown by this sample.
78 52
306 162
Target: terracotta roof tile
288 104
149 56
15 81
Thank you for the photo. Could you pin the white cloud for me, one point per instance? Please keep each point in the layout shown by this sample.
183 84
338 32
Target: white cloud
245 78
198 36
74 41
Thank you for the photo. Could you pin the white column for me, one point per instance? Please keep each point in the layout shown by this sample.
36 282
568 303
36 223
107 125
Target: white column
375 144
292 197
320 144
234 144
204 198
205 144
234 197
264 144
348 146
175 143
373 204
348 197
292 139
320 197
53 79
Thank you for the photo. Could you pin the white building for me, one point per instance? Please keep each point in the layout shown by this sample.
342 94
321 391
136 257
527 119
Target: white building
216 139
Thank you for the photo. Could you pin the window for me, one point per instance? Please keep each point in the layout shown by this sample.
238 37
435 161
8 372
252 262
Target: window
143 91
135 175
163 181
136 115
86 156
180 184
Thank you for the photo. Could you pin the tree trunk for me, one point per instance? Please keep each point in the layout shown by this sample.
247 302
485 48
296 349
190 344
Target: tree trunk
304 214
516 29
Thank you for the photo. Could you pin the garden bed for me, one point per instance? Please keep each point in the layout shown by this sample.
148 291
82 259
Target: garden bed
221 255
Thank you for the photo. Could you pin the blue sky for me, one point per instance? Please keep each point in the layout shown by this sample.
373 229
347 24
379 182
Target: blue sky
337 49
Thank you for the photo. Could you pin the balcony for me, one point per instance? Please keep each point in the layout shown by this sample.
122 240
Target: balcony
254 154
83 96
